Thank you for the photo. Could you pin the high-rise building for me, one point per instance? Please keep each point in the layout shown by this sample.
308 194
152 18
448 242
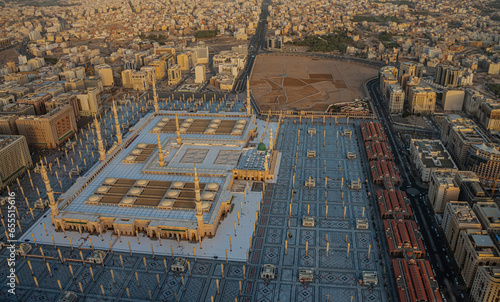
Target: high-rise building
472 100
160 68
447 75
140 80
396 99
89 102
184 61
486 285
106 74
410 68
8 124
94 81
387 77
174 75
68 98
200 74
475 249
484 160
453 99
488 214
127 78
422 100
442 189
459 134
37 101
458 216
489 115
50 130
429 156
15 158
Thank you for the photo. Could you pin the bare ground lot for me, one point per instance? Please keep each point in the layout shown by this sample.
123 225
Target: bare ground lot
302 83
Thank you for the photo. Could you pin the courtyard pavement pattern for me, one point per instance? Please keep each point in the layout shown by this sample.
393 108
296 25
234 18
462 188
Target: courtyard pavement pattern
335 274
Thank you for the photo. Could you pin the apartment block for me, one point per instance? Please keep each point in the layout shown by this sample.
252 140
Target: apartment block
459 134
475 249
429 156
396 99
422 100
486 285
484 160
15 158
442 189
458 216
488 214
89 102
37 101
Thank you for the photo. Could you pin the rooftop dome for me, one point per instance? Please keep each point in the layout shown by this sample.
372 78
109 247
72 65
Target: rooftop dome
261 147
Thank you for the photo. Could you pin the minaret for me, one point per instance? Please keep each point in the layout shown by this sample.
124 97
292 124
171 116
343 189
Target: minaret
102 152
117 124
50 193
197 190
199 210
177 131
271 140
155 96
266 162
160 152
249 107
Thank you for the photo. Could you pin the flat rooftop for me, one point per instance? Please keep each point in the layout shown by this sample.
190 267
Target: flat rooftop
132 183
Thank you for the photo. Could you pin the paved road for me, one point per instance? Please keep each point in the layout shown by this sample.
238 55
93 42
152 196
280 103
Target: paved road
443 266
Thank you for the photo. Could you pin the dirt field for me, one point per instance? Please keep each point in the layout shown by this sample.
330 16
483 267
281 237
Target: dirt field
302 83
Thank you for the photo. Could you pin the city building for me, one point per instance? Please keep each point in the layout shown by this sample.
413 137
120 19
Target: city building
475 249
15 158
64 99
387 77
17 109
37 101
429 156
447 75
8 124
160 68
484 160
486 285
472 100
488 214
50 130
489 115
453 99
471 188
458 216
396 99
410 69
422 100
106 74
200 74
89 102
174 75
442 189
140 80
459 134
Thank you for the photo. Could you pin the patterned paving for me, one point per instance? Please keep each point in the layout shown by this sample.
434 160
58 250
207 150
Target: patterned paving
336 273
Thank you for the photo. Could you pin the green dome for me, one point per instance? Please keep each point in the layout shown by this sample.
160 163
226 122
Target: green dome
261 147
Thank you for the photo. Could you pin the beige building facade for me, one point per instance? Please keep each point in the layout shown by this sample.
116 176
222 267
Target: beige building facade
50 130
15 158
